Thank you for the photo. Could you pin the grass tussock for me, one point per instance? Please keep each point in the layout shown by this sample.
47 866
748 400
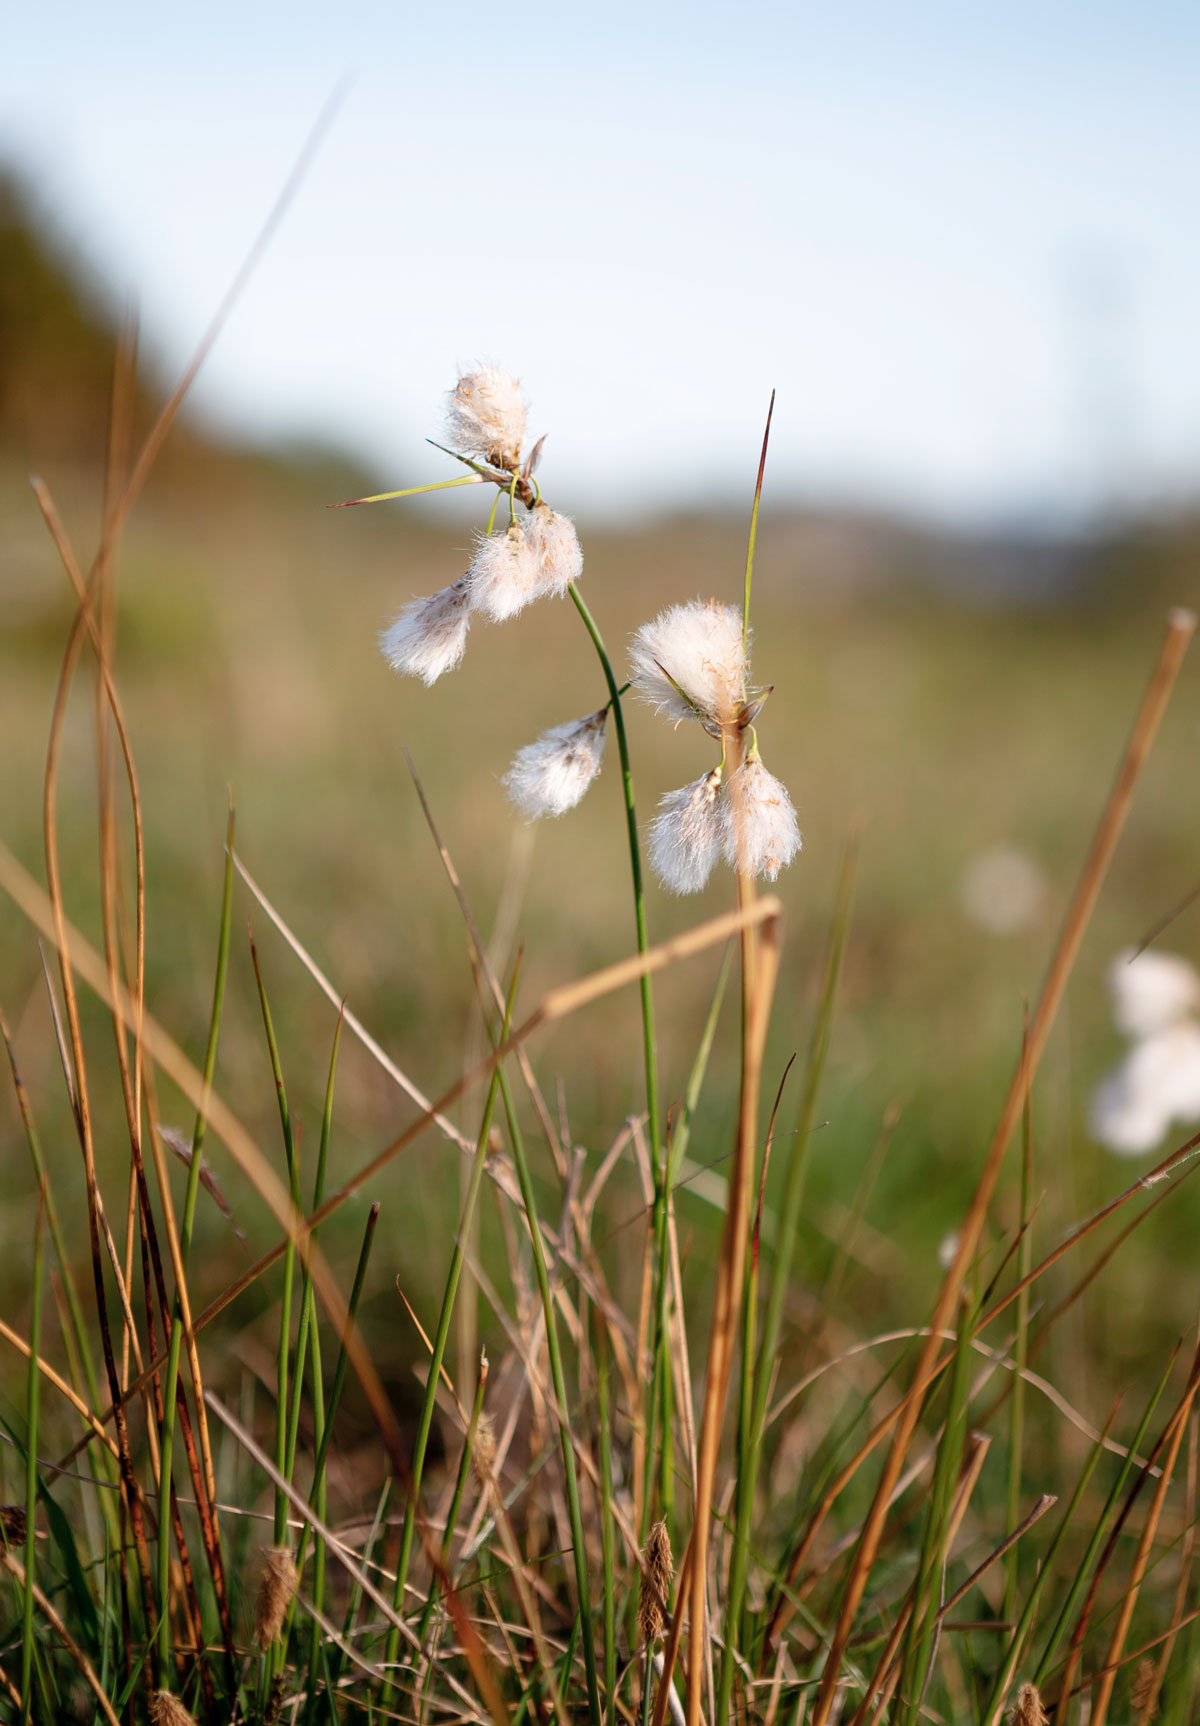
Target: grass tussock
227 1511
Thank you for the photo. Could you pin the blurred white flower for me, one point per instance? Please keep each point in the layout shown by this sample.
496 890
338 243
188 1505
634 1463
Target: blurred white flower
430 635
550 776
485 415
948 1248
759 831
537 557
1156 1086
685 836
689 662
1151 991
1003 890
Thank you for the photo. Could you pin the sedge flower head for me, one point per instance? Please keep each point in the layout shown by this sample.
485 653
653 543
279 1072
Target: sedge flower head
550 776
485 415
689 662
759 831
685 835
430 634
1156 1086
537 557
1151 991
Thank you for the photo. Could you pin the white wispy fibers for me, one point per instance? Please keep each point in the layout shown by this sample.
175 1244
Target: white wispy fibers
430 635
550 776
684 839
537 557
1155 1086
1151 991
689 662
485 415
554 542
759 831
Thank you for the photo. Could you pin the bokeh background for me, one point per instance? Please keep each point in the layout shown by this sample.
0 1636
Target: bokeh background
960 245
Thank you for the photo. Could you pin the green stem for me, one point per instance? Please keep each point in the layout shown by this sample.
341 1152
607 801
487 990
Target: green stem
650 1055
558 1381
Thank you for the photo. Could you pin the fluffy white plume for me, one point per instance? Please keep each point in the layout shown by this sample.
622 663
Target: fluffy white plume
1157 1084
485 415
689 662
1151 991
759 830
536 558
685 836
554 542
430 635
550 776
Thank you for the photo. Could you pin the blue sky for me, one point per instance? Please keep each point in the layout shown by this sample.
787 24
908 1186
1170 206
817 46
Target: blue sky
959 240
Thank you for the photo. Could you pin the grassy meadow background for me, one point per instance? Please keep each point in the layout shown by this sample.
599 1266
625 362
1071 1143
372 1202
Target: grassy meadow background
936 694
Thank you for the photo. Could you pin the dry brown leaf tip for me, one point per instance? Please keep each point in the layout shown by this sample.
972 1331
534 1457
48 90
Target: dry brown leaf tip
168 1710
279 1584
1029 1710
658 1569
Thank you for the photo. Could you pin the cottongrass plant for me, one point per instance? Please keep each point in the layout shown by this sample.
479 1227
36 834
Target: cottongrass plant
846 1554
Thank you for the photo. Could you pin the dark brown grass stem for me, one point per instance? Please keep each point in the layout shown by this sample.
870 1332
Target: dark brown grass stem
1181 626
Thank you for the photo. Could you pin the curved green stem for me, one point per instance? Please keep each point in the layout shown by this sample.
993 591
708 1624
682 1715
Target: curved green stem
658 1157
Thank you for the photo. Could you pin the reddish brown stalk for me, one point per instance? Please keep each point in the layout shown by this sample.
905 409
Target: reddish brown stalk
1180 628
760 965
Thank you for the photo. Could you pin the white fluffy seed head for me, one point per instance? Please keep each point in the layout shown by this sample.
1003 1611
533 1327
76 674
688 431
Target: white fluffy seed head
1155 1086
554 542
430 635
550 776
685 836
1151 991
485 415
689 662
536 558
759 831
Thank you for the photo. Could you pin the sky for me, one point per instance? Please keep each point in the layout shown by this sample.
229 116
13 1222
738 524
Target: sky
959 241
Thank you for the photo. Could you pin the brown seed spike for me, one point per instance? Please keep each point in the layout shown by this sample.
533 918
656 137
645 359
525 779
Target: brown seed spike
1143 1697
168 1710
279 1583
1029 1710
658 1568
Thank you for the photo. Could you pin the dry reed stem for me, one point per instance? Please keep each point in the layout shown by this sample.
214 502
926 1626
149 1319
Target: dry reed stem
1141 1557
759 984
86 1668
1181 626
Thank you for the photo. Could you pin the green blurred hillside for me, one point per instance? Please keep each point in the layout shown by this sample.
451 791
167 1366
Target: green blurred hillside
936 696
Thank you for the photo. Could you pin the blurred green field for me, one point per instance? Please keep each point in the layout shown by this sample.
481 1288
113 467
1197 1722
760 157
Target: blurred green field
922 726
